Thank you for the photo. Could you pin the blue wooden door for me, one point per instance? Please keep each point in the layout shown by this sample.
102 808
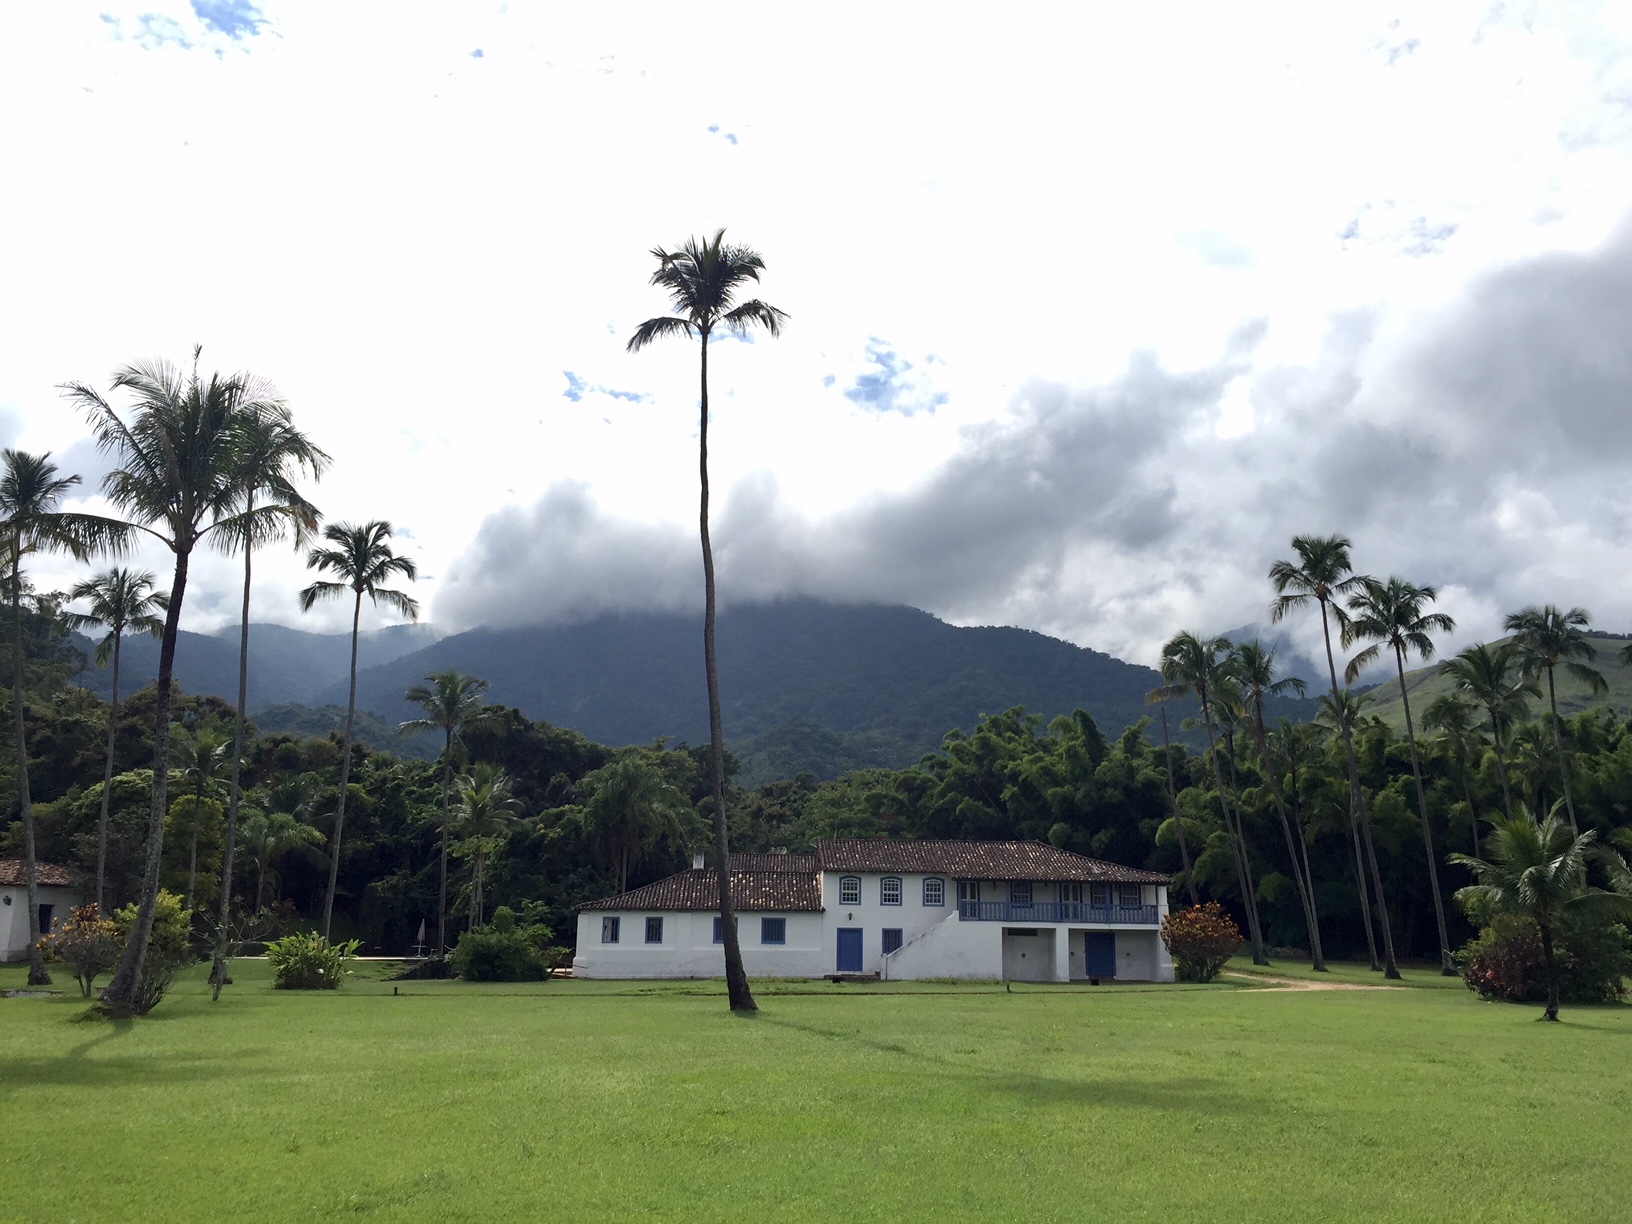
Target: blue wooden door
849 950
1101 956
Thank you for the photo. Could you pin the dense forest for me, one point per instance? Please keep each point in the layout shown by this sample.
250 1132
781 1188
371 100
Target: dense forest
1068 783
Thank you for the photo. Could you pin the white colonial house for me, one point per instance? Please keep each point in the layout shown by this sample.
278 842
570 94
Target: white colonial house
56 896
1019 910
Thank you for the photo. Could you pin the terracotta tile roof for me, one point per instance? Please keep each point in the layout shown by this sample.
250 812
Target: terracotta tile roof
774 862
12 875
779 892
976 860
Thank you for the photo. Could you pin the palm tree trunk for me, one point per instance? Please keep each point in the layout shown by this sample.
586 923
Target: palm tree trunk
1558 745
121 991
1236 849
1467 794
442 884
1501 763
1357 813
476 894
260 884
192 860
107 782
1305 887
37 975
1446 966
736 978
218 971
1178 820
1552 971
1255 922
345 772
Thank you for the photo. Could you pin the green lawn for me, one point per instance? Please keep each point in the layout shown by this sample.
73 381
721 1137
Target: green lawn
608 1101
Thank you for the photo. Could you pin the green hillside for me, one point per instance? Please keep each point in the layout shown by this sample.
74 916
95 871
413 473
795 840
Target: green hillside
1425 684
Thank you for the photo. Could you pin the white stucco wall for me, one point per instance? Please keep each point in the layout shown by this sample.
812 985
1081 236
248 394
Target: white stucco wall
912 917
949 949
14 916
688 949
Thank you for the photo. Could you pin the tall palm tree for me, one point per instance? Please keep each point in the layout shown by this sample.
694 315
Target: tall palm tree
1457 721
1254 670
489 812
176 480
272 453
631 805
1547 639
121 601
1538 869
1198 667
1393 614
452 702
30 522
1492 677
703 279
363 561
1178 818
1321 574
200 756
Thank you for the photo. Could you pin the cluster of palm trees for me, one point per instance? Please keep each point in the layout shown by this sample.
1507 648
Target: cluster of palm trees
1492 684
197 461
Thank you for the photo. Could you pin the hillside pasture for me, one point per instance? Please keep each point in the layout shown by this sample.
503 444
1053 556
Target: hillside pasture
921 1101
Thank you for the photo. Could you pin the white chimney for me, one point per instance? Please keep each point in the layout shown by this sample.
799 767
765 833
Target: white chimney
697 861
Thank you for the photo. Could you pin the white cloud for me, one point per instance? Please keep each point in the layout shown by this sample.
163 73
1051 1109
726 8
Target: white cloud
415 242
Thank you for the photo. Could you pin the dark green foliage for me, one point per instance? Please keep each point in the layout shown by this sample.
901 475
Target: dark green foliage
504 951
307 961
1504 962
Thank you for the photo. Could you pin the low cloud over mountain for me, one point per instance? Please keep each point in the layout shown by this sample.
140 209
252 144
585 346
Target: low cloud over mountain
1483 447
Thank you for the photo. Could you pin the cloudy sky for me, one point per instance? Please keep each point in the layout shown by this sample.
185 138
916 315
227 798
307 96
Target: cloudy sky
1092 307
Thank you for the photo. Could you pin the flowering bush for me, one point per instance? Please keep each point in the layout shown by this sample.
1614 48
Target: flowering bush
1201 939
168 950
1504 961
87 943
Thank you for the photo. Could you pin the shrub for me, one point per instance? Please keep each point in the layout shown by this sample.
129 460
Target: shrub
308 961
1504 961
1201 939
89 944
490 955
168 949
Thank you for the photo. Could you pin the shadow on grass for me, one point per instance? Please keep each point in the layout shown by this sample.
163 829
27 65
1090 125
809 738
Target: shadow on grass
1176 1095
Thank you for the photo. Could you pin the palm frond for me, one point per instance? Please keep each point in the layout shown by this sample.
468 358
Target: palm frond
657 329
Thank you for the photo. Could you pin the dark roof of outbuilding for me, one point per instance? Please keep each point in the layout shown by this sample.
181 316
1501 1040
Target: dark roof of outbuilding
12 874
976 860
780 892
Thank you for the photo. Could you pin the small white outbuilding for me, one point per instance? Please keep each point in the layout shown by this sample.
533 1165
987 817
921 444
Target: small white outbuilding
56 895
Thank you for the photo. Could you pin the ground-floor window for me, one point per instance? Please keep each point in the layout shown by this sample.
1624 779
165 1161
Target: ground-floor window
719 928
773 930
654 930
609 930
892 939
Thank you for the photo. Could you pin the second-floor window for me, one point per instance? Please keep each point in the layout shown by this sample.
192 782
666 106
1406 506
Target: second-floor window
1130 895
1019 892
1099 894
889 890
968 890
934 891
850 890
1071 893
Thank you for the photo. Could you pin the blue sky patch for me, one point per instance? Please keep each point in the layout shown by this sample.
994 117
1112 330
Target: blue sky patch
234 18
891 385
577 388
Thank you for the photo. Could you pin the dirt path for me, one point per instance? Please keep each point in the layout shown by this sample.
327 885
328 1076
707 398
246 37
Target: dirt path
1286 983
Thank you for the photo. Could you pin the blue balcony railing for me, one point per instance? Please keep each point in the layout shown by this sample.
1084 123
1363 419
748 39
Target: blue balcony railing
1057 911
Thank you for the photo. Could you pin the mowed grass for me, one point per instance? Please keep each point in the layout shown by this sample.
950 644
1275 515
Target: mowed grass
645 1101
